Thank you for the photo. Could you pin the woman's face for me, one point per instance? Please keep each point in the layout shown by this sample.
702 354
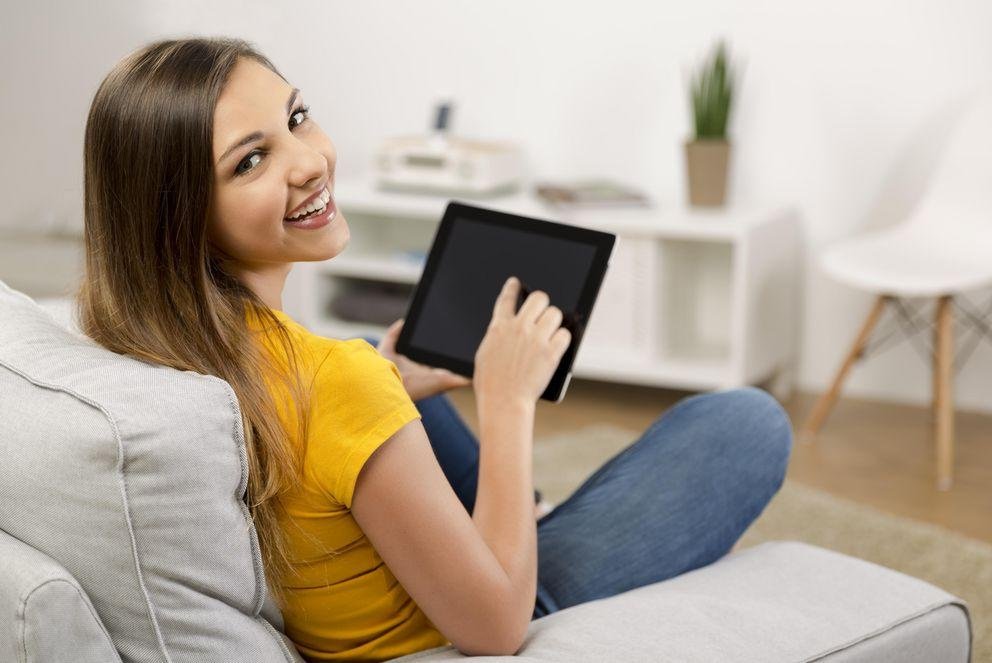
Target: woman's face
259 184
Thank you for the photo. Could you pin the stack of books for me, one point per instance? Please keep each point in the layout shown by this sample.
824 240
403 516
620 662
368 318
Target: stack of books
583 194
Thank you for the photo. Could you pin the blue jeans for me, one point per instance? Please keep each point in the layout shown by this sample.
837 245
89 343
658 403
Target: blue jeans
676 499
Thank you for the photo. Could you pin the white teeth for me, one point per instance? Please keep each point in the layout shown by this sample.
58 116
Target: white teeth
318 205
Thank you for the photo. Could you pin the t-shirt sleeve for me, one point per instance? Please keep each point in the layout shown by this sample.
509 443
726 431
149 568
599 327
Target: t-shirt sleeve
358 402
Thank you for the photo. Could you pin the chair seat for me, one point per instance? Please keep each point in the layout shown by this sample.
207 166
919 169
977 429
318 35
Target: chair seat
912 261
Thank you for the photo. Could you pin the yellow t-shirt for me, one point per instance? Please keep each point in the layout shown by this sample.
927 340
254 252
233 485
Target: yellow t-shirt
345 604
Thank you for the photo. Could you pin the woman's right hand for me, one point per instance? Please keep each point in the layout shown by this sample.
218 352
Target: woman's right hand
521 349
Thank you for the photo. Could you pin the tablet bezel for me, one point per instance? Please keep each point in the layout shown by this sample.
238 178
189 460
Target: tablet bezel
603 242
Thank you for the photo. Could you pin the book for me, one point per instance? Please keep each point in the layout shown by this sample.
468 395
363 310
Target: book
590 193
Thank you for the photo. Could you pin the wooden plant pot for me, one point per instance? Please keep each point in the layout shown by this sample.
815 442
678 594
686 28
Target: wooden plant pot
706 166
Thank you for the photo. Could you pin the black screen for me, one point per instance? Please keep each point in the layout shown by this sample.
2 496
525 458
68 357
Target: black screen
475 262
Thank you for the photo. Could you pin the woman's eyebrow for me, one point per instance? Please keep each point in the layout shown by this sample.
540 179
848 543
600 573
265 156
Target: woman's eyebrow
258 135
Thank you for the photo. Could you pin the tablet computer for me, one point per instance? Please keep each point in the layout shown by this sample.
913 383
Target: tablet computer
475 250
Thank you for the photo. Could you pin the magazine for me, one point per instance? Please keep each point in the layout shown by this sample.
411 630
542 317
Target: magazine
590 194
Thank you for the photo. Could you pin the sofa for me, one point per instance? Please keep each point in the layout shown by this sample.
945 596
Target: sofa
124 536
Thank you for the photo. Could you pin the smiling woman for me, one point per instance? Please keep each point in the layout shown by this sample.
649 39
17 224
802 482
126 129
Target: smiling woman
205 180
197 153
180 246
273 162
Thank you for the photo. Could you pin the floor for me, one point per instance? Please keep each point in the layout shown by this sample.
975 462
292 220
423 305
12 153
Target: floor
876 453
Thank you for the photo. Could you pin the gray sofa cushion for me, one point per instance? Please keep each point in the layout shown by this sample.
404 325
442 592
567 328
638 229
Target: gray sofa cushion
39 599
779 601
132 477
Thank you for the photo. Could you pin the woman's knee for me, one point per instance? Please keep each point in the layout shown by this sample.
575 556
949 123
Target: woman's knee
749 425
765 439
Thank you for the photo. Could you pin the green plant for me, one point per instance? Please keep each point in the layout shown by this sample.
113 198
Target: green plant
712 93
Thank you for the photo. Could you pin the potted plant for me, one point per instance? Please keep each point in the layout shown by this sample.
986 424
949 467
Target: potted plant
708 153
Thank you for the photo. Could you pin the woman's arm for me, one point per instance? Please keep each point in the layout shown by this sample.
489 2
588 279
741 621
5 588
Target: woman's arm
504 511
474 578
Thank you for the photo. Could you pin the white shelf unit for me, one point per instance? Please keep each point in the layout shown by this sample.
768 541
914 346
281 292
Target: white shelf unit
693 299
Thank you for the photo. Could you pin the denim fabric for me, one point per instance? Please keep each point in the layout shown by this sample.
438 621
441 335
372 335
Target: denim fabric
676 499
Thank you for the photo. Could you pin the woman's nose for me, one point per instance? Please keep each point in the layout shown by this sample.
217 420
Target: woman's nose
311 165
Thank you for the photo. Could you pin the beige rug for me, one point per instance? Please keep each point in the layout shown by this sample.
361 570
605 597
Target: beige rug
960 565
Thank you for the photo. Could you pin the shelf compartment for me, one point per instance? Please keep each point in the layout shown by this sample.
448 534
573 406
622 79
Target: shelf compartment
622 318
398 268
359 303
370 232
694 302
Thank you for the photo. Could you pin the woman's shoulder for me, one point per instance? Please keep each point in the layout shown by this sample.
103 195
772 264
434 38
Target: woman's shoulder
303 335
356 361
352 354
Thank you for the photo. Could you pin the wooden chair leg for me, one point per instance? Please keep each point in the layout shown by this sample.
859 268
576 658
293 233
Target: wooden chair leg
944 393
935 369
826 402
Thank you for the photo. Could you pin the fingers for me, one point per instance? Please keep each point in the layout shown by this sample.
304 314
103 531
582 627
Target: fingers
394 329
458 380
560 340
451 378
535 309
507 298
533 306
549 320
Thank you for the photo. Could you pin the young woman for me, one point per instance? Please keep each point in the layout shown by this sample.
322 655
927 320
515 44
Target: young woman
386 527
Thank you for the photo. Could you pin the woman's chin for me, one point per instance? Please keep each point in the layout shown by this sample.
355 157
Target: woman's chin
330 246
323 243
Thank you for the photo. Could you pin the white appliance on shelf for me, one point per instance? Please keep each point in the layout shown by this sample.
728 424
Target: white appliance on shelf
441 163
458 166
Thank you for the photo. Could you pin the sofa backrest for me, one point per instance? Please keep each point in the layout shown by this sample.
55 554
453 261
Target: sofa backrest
132 476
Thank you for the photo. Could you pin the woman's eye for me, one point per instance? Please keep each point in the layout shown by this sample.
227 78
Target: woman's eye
301 110
248 160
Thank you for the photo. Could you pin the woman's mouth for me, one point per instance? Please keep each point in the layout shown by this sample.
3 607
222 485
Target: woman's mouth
321 212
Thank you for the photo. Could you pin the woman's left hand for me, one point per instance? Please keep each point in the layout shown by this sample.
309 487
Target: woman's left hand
421 381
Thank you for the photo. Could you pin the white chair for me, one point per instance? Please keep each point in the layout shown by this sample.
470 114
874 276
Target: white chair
942 250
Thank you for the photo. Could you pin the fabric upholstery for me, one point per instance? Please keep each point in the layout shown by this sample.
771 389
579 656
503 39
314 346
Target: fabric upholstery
38 596
132 476
942 634
779 601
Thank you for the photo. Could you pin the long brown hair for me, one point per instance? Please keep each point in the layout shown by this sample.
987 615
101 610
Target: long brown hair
154 288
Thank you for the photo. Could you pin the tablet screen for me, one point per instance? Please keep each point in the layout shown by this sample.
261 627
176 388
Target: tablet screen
454 316
475 250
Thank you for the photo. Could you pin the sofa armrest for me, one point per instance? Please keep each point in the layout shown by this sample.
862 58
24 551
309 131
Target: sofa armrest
45 616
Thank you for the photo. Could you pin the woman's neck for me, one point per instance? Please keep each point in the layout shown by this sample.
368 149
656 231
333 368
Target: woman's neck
265 280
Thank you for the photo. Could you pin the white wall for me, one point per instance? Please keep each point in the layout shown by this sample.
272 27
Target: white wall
53 55
842 106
